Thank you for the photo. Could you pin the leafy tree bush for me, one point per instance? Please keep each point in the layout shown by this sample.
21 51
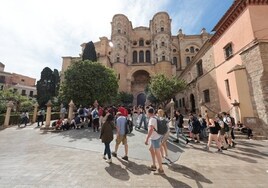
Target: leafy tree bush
125 98
89 52
87 81
164 88
48 86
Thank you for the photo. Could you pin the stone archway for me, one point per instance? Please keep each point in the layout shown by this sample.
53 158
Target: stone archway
139 81
192 101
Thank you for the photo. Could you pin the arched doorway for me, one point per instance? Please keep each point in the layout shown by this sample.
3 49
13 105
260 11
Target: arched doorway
139 81
192 101
141 99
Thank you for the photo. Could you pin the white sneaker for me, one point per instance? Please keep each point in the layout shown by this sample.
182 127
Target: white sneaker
109 160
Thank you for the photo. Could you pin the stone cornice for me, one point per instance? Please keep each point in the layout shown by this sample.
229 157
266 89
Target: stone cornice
232 14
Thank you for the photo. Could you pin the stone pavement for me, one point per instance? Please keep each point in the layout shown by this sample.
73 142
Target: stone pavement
33 158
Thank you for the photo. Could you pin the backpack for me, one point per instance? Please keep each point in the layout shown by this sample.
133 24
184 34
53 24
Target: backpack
232 121
217 125
226 127
181 120
128 127
162 126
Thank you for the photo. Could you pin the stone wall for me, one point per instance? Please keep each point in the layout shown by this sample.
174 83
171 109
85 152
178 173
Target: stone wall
255 59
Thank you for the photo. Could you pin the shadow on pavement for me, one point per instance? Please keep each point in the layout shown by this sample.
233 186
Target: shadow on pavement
173 182
134 168
116 171
189 173
76 134
246 159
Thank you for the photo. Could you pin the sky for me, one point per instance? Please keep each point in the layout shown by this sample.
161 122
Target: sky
35 34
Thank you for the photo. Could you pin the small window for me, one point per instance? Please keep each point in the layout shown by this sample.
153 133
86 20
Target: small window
31 94
180 104
148 56
118 59
187 50
188 60
183 102
135 43
22 80
174 50
227 87
196 49
175 61
119 30
141 56
228 50
206 95
199 67
135 57
162 28
192 49
118 76
141 42
163 58
162 43
23 92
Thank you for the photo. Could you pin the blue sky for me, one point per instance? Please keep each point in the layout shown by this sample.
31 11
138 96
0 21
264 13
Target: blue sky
35 34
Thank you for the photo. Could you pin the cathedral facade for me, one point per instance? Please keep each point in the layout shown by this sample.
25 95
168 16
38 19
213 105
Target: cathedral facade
136 54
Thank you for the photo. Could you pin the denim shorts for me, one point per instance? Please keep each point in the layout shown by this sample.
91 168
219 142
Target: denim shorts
156 143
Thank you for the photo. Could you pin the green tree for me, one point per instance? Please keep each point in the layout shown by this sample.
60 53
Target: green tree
89 52
87 81
150 96
48 86
21 103
164 88
125 98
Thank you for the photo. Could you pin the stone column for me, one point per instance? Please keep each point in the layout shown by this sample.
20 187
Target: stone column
71 110
48 115
172 112
35 112
7 117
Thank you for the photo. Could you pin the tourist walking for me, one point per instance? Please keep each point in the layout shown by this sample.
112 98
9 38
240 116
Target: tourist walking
155 140
106 137
121 134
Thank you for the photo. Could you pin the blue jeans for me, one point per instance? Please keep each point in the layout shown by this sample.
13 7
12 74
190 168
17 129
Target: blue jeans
107 149
144 120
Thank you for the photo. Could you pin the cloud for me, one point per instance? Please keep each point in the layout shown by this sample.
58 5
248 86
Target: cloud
36 34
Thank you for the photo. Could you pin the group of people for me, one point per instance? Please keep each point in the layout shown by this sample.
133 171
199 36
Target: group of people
113 121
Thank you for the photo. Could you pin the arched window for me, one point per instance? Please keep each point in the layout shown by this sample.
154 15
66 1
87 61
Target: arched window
135 57
141 42
188 60
148 56
192 49
141 57
162 43
175 61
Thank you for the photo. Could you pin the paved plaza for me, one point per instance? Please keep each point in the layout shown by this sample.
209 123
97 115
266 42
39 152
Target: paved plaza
30 157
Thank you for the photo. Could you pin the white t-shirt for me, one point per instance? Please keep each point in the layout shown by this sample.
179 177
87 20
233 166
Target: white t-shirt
153 123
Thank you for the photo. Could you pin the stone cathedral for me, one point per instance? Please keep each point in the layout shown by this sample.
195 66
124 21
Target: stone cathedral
138 53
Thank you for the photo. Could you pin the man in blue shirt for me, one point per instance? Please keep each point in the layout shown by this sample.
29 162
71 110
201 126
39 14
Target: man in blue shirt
121 135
